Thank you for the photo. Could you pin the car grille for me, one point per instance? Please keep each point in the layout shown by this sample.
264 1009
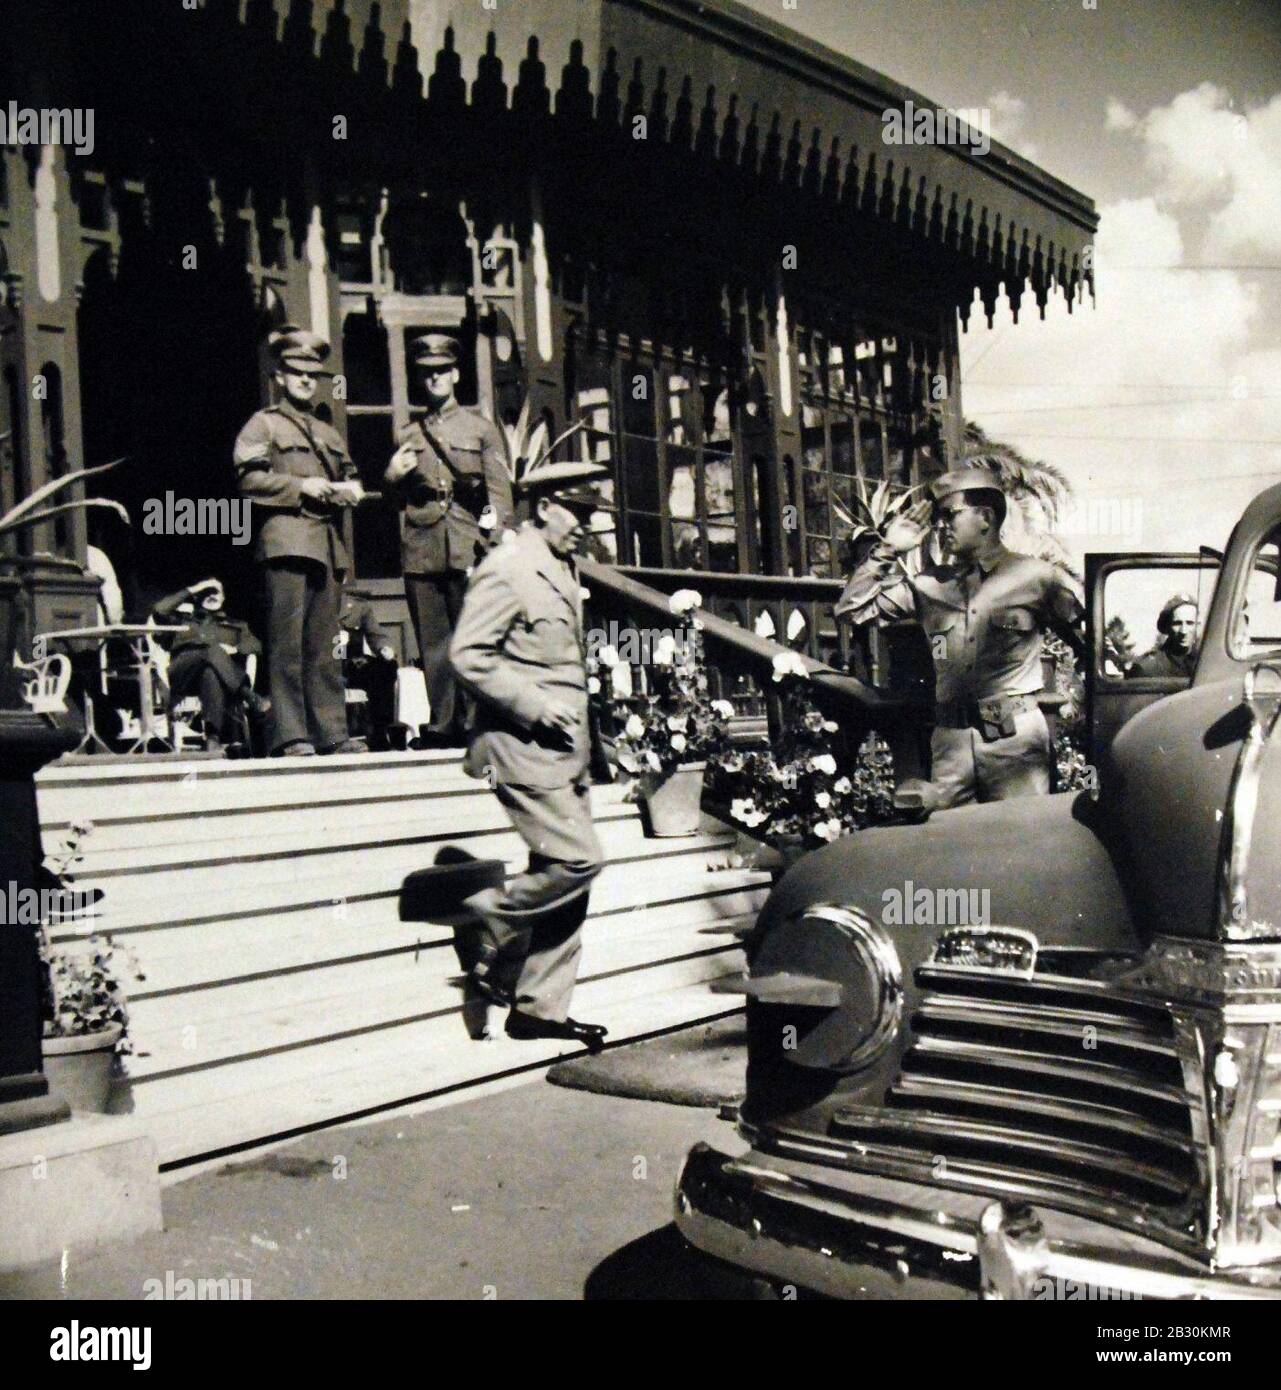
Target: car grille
1051 1087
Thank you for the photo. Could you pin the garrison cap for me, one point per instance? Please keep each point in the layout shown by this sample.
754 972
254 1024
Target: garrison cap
298 349
566 483
435 350
965 480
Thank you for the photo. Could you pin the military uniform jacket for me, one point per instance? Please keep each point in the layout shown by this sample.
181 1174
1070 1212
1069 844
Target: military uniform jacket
440 528
519 643
276 450
1163 661
202 630
356 618
984 623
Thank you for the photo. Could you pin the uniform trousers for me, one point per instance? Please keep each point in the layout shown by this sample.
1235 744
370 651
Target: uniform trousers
535 919
967 769
435 601
213 675
304 654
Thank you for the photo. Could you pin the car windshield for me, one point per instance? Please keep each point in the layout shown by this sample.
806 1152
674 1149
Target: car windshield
1256 615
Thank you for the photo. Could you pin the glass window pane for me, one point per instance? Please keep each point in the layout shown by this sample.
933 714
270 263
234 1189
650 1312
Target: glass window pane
871 449
722 518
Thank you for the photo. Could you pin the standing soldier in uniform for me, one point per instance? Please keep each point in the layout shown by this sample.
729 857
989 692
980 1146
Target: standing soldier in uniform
519 649
450 475
297 472
984 613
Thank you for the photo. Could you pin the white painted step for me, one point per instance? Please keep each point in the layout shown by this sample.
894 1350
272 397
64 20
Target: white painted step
355 1078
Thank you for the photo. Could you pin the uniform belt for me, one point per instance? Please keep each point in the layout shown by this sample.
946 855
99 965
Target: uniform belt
965 714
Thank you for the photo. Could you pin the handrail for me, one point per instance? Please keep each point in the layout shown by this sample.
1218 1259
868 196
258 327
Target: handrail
831 688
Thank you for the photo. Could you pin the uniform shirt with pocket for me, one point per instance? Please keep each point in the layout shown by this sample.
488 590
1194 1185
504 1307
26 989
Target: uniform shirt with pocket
276 450
984 624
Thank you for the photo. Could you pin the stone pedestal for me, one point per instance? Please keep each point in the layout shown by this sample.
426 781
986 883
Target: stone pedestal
75 1186
27 742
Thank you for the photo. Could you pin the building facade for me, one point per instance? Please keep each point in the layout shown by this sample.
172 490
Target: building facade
671 220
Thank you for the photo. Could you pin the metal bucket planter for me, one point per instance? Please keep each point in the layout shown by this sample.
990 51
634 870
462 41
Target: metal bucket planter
671 804
79 1068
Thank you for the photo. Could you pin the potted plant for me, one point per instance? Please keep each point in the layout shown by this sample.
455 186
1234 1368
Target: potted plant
668 729
86 1027
795 795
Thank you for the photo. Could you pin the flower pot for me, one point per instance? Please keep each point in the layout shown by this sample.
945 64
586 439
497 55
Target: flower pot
79 1068
672 802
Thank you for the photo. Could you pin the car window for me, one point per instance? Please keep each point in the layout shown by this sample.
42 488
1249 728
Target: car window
1153 617
1256 616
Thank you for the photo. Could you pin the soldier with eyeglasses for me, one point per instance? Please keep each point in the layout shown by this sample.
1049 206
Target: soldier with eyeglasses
984 610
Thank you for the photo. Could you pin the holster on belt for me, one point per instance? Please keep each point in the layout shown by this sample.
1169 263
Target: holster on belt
994 719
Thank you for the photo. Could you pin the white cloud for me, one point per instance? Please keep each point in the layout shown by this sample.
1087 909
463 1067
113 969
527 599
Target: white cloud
1223 162
1116 394
1009 123
1119 116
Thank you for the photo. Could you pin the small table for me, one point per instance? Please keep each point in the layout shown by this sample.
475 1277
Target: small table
137 635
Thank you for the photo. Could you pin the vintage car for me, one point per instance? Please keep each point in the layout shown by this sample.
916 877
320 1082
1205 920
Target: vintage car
1068 1087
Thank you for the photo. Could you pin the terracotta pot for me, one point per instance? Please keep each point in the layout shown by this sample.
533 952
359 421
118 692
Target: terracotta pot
79 1068
672 802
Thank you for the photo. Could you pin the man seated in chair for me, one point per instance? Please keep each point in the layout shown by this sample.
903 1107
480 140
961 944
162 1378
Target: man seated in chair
369 663
203 661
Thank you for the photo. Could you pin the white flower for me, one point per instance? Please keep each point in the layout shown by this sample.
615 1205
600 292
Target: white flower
593 685
635 726
822 800
679 743
653 761
842 785
723 708
678 723
621 681
607 656
828 829
685 601
788 664
823 763
665 650
747 811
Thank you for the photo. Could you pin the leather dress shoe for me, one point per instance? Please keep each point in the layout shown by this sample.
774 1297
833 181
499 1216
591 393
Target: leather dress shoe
481 980
523 1026
348 745
298 749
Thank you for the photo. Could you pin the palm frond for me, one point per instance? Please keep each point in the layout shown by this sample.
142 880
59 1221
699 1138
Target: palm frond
21 510
81 504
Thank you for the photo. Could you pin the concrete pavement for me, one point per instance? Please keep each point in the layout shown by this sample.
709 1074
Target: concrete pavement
531 1192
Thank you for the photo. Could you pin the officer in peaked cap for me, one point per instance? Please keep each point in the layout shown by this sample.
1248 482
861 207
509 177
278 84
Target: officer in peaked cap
450 477
984 611
296 470
519 649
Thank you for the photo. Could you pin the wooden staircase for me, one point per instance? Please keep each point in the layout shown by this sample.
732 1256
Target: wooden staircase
283 993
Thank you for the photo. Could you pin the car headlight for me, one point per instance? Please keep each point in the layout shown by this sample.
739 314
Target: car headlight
844 947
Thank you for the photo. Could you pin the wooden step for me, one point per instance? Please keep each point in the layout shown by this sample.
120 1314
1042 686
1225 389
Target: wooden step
351 1080
226 952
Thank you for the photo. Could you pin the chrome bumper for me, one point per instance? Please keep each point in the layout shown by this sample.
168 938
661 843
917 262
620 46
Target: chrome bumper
793 1231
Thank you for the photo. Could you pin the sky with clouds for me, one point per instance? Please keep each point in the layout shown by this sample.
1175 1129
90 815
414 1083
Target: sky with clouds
1161 401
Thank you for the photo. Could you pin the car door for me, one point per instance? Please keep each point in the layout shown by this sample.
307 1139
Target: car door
1124 596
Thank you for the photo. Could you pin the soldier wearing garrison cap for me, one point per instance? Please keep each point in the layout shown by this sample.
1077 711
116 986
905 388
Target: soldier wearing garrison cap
984 612
450 477
298 473
520 651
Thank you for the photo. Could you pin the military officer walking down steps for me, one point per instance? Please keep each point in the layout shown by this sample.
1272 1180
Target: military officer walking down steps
297 472
520 650
984 613
450 475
